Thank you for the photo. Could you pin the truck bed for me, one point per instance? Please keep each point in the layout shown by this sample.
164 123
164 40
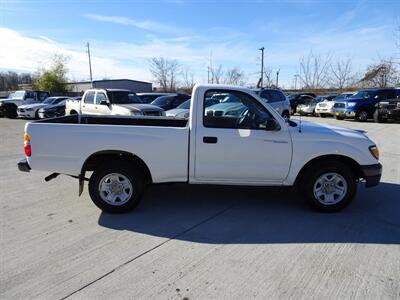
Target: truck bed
118 120
63 144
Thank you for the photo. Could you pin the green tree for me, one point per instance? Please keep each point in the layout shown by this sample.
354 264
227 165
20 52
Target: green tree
54 78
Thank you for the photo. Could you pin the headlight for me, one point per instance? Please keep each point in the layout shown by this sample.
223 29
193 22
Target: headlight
351 104
374 151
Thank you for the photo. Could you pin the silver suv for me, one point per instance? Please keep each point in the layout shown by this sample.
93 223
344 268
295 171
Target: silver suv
277 99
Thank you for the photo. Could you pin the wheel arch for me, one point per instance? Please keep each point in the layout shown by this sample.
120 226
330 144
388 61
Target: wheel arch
354 165
100 157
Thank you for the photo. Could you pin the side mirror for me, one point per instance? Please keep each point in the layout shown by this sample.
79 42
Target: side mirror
104 102
272 125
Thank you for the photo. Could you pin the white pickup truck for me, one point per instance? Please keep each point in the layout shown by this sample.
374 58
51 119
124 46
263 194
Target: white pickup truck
244 143
111 102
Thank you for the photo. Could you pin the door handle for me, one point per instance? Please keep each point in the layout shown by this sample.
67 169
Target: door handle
210 139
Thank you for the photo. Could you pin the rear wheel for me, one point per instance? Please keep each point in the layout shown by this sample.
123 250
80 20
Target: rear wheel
378 118
339 118
116 187
329 186
362 115
286 114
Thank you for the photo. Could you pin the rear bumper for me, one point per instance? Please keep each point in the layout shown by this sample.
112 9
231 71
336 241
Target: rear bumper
23 166
372 174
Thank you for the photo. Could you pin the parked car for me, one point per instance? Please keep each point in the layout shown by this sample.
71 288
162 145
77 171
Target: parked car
55 110
150 97
182 111
230 106
258 147
170 101
8 107
299 98
325 107
388 109
361 105
31 111
111 102
308 107
277 99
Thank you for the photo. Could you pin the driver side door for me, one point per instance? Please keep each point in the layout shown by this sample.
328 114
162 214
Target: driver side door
233 144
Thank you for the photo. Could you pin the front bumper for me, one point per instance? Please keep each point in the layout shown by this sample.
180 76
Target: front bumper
372 174
345 113
390 113
23 166
324 110
27 114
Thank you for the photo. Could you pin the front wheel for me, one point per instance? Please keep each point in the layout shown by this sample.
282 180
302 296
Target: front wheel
362 115
330 186
116 187
339 117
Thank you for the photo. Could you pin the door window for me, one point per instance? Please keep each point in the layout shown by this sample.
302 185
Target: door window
89 98
100 97
237 110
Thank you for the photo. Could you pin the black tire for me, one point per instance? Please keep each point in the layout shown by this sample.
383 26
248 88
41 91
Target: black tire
361 115
11 114
286 114
131 172
322 115
339 118
378 118
37 115
312 179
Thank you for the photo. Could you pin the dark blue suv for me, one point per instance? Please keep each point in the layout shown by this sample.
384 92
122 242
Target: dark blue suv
361 106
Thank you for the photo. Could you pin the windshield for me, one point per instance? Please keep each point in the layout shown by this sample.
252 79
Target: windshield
163 100
363 94
185 105
342 96
49 100
123 97
320 98
18 95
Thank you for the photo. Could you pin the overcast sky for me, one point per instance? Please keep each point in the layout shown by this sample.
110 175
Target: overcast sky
124 35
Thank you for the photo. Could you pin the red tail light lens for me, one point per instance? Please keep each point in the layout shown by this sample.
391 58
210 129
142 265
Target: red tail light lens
27 145
28 150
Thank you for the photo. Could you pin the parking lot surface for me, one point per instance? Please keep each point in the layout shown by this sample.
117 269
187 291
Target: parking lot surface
199 242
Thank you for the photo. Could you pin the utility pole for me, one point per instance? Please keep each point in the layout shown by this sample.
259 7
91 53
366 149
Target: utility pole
295 81
262 67
277 77
90 63
208 74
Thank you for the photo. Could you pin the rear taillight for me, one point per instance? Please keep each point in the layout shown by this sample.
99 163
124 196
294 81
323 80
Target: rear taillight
27 145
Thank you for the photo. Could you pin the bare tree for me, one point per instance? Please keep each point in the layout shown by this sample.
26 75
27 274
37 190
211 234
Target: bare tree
216 74
234 76
342 74
188 78
314 70
381 74
165 72
268 77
